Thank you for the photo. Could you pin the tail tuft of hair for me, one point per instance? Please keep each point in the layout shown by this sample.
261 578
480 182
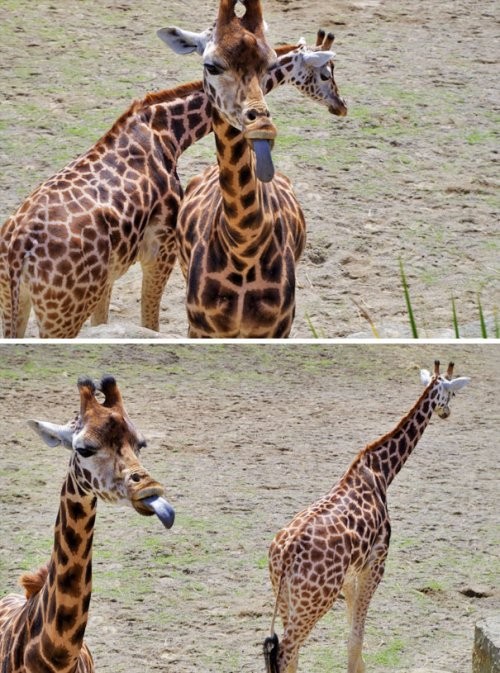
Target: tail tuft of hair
271 650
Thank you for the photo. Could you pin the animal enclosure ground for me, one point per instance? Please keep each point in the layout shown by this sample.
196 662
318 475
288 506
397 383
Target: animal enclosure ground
243 437
410 173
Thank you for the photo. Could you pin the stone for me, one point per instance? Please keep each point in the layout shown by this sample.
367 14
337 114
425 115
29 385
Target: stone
486 652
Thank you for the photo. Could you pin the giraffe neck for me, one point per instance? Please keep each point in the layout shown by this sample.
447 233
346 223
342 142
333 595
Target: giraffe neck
388 454
177 117
61 613
283 71
243 227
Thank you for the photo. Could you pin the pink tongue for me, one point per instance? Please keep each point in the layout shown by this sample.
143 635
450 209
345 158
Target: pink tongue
264 168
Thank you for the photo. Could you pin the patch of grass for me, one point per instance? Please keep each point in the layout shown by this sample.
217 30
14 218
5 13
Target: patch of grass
475 137
389 654
262 563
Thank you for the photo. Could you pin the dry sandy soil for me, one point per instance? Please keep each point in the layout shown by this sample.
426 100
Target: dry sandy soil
410 173
243 437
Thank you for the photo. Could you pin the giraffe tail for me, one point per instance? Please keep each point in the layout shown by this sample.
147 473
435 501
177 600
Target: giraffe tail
271 651
272 643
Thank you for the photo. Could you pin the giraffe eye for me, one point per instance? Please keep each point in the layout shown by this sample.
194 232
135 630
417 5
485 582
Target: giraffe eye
141 445
324 74
213 69
86 451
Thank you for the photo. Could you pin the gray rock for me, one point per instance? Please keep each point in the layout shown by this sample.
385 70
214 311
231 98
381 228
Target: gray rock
486 653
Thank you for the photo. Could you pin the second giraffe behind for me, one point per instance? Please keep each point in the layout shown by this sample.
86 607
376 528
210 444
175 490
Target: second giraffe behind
340 543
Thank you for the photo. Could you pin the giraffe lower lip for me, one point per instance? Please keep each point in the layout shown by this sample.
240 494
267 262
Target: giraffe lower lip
163 510
264 168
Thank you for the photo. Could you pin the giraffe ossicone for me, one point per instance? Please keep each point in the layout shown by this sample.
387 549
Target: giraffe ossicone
340 543
44 630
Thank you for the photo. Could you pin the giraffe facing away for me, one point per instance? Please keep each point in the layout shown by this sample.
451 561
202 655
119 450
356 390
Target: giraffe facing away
340 543
44 630
116 204
241 232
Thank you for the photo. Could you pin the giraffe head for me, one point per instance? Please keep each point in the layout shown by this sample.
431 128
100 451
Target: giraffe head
313 72
444 387
236 56
105 451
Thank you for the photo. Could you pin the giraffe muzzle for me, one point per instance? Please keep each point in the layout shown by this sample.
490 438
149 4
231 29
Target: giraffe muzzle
146 496
443 412
339 108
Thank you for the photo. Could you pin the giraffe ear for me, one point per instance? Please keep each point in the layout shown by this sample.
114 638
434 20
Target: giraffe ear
53 434
458 383
425 377
184 41
317 59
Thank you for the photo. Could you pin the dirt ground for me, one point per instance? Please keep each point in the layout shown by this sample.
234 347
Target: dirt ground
410 173
243 437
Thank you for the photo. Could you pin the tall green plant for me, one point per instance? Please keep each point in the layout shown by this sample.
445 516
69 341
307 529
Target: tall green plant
409 308
455 321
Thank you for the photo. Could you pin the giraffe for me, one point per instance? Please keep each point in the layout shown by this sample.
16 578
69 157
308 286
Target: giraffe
340 543
116 204
43 632
240 232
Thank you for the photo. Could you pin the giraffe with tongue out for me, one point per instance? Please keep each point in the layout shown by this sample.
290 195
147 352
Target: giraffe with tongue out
43 632
240 228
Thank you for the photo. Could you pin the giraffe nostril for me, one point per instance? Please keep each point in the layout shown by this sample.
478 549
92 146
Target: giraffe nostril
251 115
135 477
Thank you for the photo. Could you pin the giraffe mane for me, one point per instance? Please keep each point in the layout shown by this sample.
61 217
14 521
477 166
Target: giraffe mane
33 582
154 98
394 430
167 95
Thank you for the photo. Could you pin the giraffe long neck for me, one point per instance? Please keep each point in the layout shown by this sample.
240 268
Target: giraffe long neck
388 454
243 227
178 117
60 609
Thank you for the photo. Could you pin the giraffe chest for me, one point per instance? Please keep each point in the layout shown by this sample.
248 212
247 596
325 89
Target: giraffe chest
226 298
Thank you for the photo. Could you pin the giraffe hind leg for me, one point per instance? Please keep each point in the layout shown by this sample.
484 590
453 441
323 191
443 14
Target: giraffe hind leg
100 314
360 594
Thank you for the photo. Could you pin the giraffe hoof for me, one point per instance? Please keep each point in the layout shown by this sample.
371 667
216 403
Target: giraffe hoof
163 510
